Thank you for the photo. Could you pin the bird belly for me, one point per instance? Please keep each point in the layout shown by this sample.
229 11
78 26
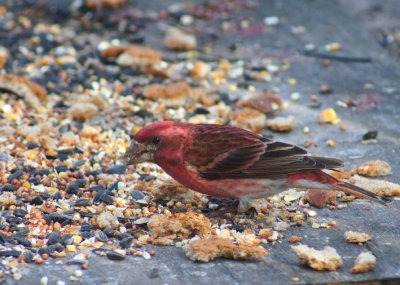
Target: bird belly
227 188
249 188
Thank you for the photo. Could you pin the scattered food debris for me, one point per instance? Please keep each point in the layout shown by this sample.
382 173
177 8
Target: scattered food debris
295 239
205 250
355 237
174 94
373 168
182 225
326 259
281 124
265 103
380 187
137 57
328 116
319 198
364 262
248 119
176 39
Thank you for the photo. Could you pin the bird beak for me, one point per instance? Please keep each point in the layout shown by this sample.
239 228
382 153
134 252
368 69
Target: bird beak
137 153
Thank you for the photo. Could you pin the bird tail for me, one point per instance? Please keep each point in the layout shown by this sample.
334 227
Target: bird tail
362 193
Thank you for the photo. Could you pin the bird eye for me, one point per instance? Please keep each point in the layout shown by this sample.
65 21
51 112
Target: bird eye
156 140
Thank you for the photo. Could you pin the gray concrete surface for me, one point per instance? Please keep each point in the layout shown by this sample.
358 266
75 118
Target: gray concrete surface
325 21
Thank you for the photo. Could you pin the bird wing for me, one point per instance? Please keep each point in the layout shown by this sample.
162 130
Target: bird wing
227 152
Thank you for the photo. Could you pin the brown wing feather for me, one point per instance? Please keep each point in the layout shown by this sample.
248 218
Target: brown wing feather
212 142
227 152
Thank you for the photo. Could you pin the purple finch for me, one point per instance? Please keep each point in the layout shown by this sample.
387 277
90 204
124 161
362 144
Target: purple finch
231 162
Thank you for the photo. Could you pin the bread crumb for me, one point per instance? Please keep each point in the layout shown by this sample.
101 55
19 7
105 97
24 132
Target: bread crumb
265 233
184 225
174 191
205 250
364 262
355 237
295 239
246 238
174 94
250 119
265 103
380 187
176 39
105 220
319 198
373 168
83 111
326 259
281 124
168 240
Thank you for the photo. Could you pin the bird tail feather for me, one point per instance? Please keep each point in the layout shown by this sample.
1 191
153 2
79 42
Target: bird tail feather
362 193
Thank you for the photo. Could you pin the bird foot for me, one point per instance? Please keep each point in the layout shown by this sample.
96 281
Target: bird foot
225 206
234 206
251 213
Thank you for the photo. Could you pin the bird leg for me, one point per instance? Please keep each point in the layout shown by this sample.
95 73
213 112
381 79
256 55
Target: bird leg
236 206
225 206
246 208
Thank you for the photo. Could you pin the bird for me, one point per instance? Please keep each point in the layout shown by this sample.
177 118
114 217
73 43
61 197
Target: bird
230 162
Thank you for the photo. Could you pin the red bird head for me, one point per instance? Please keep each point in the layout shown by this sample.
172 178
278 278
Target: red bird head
161 141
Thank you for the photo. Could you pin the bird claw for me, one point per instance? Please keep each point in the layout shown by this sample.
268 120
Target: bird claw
251 213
